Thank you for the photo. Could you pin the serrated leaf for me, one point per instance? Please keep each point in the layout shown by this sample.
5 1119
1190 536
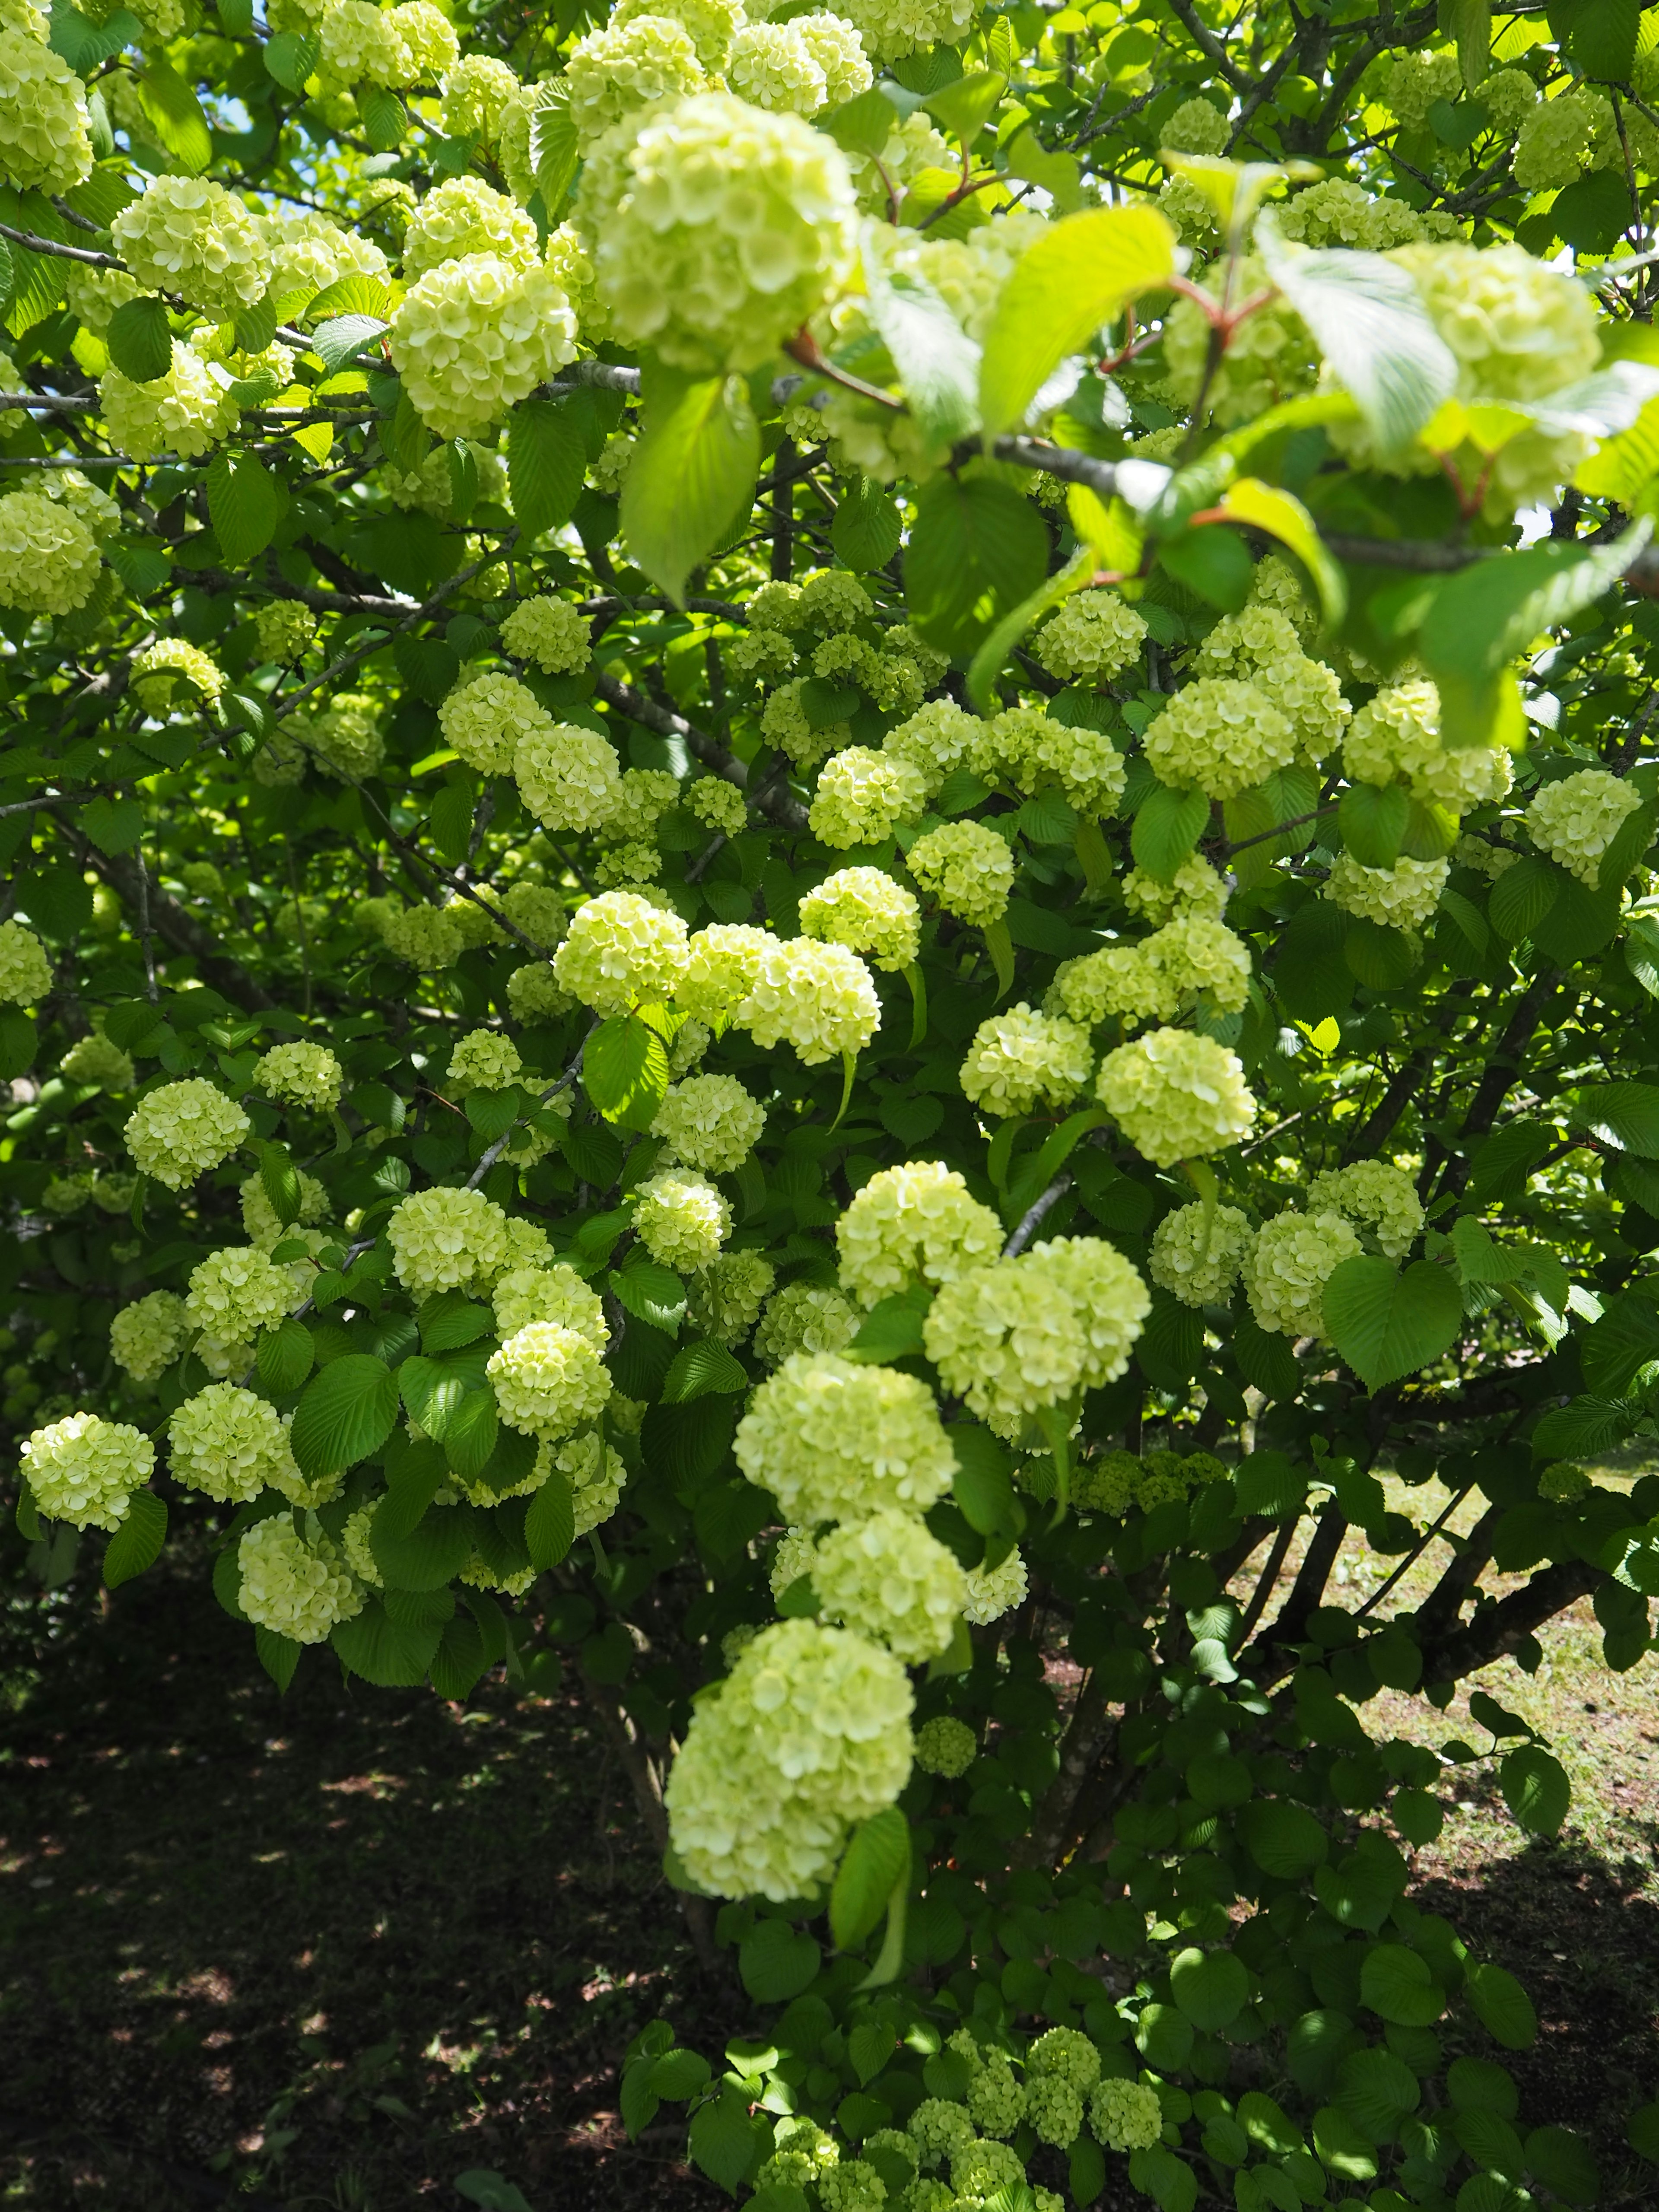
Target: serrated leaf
367 296
651 1292
284 1356
936 362
693 473
340 338
868 525
174 114
549 1522
113 824
280 1656
386 120
555 148
137 1544
1277 513
1502 2005
428 1554
1623 1114
1387 1322
84 44
625 1071
877 1858
697 1369
1373 821
977 550
450 817
391 1654
280 1181
291 59
140 340
1167 825
1535 1789
245 501
346 1412
1211 1987
450 1319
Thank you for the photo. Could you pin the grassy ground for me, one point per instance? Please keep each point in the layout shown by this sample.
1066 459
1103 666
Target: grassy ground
344 1948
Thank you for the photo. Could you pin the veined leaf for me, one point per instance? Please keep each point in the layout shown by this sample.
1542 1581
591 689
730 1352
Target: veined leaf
693 473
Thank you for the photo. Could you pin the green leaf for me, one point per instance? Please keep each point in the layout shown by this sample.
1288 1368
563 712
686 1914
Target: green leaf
1167 825
724 2141
554 148
1502 2005
1266 507
1283 1839
1373 822
1057 173
174 114
977 550
347 1413
1603 38
1267 1360
876 1860
982 1485
1159 2173
279 1655
862 126
140 340
343 338
470 1434
137 1544
247 501
868 525
777 1962
1470 26
625 1071
1398 1986
391 1654
1623 1114
1615 1349
1211 1987
426 1556
84 44
113 824
1373 332
1212 560
546 458
890 1330
1643 2133
290 59
1584 1427
651 1292
450 1319
1535 1789
965 106
1385 1323
1266 1483
386 120
1078 275
991 656
699 1369
1523 896
549 1522
369 297
284 1356
692 475
936 363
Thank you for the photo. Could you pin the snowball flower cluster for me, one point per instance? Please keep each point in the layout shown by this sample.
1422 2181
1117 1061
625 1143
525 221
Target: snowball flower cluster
862 796
1219 735
1093 635
808 63
1378 1196
682 1220
993 1591
189 235
463 216
186 411
817 998
625 66
1126 2115
621 952
446 1240
717 229
147 1337
84 1469
549 1379
44 145
724 1299
473 336
804 1317
887 1576
284 629
552 633
945 1745
833 1441
486 719
236 1291
718 806
1575 819
49 559
1397 735
866 910
1287 1268
294 1588
937 737
228 1443
1177 1096
483 1061
174 669
721 965
556 1293
807 1736
301 1075
910 1223
1021 1060
1401 897
709 1122
1024 1334
181 1130
567 776
25 970
968 868
1197 1252
1028 749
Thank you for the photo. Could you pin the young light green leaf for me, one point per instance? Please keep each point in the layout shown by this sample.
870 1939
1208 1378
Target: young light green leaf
936 362
1266 507
1386 1323
693 473
545 458
174 114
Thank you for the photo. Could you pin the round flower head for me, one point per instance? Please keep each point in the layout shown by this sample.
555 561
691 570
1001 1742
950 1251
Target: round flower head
863 795
225 1442
1109 1299
237 1291
1127 981
173 672
181 1131
937 737
186 411
797 1549
1125 2116
621 952
534 994
596 1474
483 1061
294 1588
84 1469
44 145
722 963
804 1317
1176 1096
1009 1339
1197 1252
557 1294
710 1122
1401 897
284 629
890 28
773 66
1201 959
807 1736
833 1441
552 633
25 970
146 1337
49 559
1397 735
1378 1196
1093 635
968 868
1028 749
719 805
718 229
463 216
1575 820
711 25
549 1379
682 1220
301 1075
912 1224
725 1298
567 776
486 720
939 2129
866 910
188 235
427 937
1021 1060
1562 1483
993 1591
446 1240
1219 736
477 92
945 1747
473 336
817 998
1287 1267
888 1578
623 67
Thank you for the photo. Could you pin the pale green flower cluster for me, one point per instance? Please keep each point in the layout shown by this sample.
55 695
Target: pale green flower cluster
1562 1483
1197 1252
866 910
722 963
549 1379
1021 1060
84 1469
1113 1481
1560 138
235 1292
596 1474
1093 635
803 1318
862 796
463 216
937 737
1061 2068
535 994
1026 748
146 1337
1270 356
1177 1096
189 235
808 1735
259 1215
1288 1266
90 1059
567 776
1575 819
49 559
717 229
552 633
1219 735
477 92
483 1061
284 629
427 937
473 336
1401 897
301 1075
1022 1335
833 1441
186 411
25 970
306 252
626 66
783 718
993 1591
817 998
294 1585
1376 1195
558 1294
1260 645
995 2096
93 295
724 1299
446 1240
1411 84
621 952
346 736
681 1219
718 804
886 1577
647 795
1191 957
1397 735
946 1747
181 1131
537 909
710 1122
227 1442
44 145
968 868
1339 212
776 65
1196 127
917 1223
1125 2116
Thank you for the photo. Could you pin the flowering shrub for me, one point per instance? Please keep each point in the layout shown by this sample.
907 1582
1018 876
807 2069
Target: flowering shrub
779 896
